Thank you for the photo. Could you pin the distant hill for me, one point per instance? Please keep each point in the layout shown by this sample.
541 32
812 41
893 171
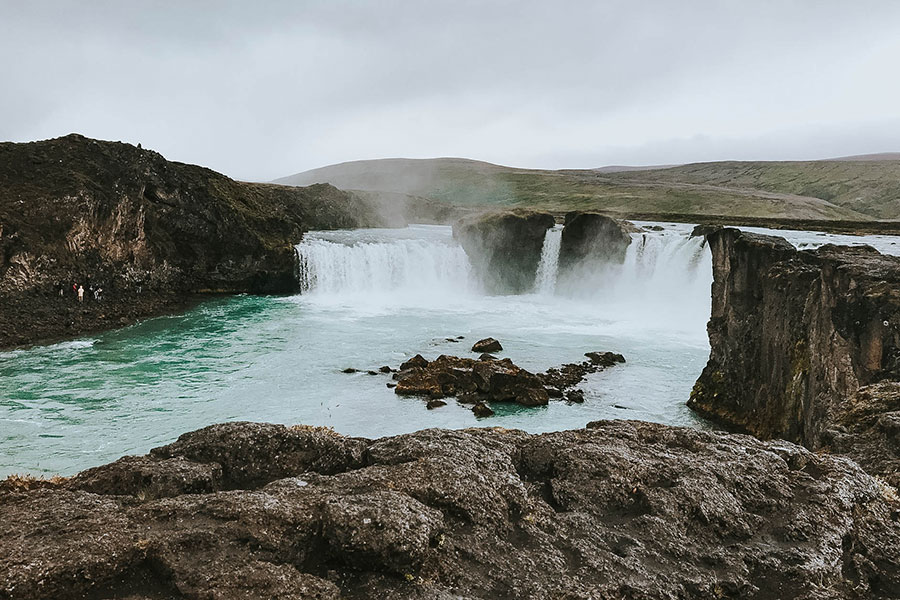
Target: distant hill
854 190
866 186
622 168
881 156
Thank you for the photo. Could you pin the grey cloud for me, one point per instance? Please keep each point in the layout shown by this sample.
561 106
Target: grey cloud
263 89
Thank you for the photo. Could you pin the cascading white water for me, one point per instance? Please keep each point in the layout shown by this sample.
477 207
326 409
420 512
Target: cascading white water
664 278
545 281
421 260
665 263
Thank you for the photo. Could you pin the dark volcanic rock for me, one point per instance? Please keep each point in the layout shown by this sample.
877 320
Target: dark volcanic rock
794 335
561 379
486 380
590 238
487 345
576 396
146 230
489 379
482 410
504 248
605 359
620 509
866 427
416 362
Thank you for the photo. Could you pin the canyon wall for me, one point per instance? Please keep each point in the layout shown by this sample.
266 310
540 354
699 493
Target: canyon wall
797 336
147 230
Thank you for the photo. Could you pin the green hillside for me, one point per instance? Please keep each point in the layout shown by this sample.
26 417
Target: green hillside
851 190
870 187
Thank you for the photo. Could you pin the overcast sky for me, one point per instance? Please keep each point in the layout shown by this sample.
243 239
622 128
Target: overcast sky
261 89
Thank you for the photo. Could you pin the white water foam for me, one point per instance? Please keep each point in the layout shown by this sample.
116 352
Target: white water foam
664 280
430 264
548 268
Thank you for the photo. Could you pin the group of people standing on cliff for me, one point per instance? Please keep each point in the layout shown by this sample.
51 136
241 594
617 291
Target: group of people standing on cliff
78 291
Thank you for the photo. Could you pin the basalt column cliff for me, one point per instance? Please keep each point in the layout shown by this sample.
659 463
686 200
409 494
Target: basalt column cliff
805 346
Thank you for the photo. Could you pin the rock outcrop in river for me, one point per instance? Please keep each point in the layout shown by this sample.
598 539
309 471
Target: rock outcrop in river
489 379
805 346
504 248
620 509
592 238
146 230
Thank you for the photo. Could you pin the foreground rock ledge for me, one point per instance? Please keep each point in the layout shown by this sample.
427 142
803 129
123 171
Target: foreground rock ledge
620 509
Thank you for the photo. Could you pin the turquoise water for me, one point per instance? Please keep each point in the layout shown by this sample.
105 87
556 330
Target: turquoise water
371 298
77 404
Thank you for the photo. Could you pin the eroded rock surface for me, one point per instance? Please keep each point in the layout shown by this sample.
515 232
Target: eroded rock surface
472 380
592 238
504 248
487 345
795 335
489 379
147 230
620 509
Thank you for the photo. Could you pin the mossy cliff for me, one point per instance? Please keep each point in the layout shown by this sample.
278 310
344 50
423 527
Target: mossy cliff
149 231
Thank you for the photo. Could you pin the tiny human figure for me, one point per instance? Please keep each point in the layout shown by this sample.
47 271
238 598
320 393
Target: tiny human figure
80 293
75 288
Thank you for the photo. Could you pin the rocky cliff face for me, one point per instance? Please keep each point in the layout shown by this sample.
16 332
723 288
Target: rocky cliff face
590 242
795 335
79 210
504 248
592 237
617 510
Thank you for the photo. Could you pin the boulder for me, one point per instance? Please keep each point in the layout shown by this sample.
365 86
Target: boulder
605 359
490 379
487 345
482 410
417 361
487 380
502 381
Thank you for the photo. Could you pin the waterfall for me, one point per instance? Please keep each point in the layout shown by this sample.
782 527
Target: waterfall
665 274
667 262
420 260
545 281
665 277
